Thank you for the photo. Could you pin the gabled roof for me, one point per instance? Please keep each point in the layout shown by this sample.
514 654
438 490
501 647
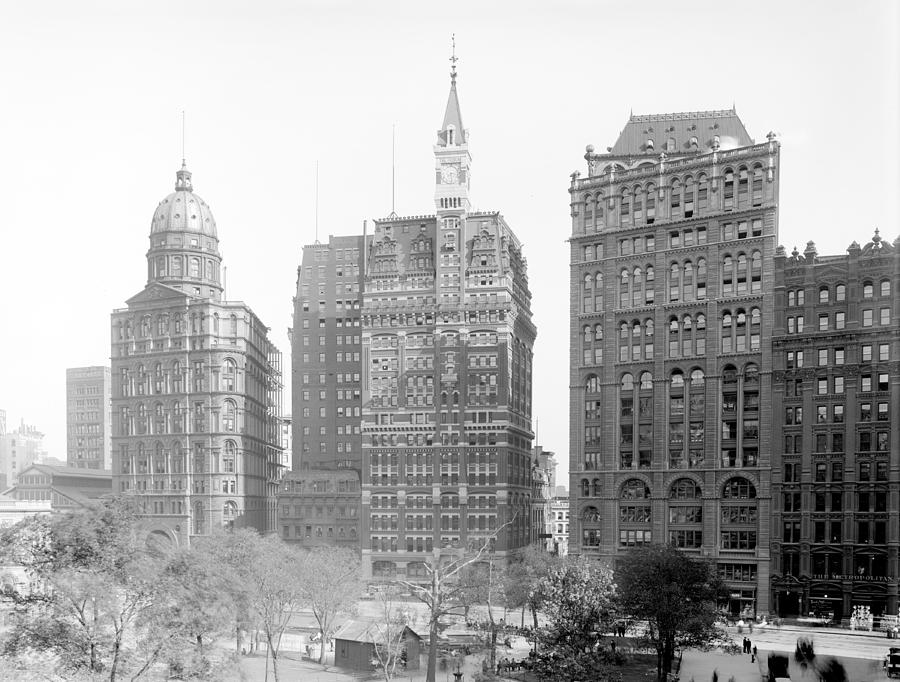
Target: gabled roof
681 127
155 292
68 471
359 630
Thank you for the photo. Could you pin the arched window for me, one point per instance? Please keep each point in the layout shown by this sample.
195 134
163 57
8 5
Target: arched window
635 489
627 382
646 381
229 375
229 512
885 287
638 205
598 332
697 378
588 213
675 198
840 293
738 489
651 203
728 275
159 459
677 379
176 459
685 489
228 415
728 189
674 335
229 456
159 419
590 515
757 185
595 487
592 385
587 333
755 272
867 290
823 294
233 325
751 374
585 487
674 282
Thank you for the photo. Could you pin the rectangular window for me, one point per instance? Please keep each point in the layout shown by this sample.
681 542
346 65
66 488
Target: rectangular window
885 317
839 384
823 357
866 353
823 322
837 442
867 318
837 472
884 352
840 320
839 356
821 472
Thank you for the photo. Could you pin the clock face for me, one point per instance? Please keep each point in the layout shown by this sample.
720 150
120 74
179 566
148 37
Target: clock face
449 174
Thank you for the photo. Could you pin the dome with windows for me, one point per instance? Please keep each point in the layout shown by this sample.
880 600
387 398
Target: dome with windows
183 211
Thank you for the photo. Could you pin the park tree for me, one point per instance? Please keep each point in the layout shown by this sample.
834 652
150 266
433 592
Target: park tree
389 630
94 581
332 585
578 600
235 552
524 575
445 591
484 583
674 593
277 580
194 606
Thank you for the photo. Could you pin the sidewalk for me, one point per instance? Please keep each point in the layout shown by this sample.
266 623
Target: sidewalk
699 666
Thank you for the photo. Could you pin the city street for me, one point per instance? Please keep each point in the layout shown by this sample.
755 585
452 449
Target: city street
851 647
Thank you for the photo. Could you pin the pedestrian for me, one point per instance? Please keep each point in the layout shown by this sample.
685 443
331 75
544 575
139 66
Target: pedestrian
753 654
715 675
749 646
744 643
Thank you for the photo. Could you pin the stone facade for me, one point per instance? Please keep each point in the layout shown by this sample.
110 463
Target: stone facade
672 273
836 431
196 387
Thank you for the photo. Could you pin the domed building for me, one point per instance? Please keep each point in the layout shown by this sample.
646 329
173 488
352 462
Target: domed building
197 390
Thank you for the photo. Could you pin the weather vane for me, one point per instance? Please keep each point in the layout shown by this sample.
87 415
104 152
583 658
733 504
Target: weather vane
453 57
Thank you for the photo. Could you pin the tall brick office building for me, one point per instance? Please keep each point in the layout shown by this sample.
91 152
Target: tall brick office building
446 375
836 392
319 500
672 273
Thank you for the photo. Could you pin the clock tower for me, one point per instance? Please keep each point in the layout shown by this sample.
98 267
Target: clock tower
451 158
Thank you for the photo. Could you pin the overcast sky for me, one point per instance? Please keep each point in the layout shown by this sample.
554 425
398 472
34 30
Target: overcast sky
91 95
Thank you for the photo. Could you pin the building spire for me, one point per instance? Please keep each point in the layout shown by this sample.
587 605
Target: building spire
453 115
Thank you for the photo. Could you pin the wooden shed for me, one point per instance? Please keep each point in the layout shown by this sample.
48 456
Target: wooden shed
354 645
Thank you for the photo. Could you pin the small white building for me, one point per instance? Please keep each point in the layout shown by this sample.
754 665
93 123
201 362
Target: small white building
559 522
